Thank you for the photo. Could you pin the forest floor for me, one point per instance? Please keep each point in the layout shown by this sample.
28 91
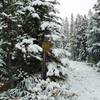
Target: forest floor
85 81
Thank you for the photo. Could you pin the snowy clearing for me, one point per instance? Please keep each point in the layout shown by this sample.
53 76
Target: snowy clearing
85 81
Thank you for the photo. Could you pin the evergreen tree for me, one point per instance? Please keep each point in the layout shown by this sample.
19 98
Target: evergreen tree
8 34
90 13
65 31
78 44
75 43
94 35
72 26
83 44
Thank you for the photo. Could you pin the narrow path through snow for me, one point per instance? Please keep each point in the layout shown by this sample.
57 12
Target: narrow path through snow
85 81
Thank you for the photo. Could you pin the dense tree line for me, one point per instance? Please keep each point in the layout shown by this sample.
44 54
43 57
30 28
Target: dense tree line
85 36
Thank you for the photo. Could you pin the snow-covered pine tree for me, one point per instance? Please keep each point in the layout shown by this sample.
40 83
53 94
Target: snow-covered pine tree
72 26
65 31
90 26
71 29
8 34
90 13
78 43
72 36
83 45
94 35
75 43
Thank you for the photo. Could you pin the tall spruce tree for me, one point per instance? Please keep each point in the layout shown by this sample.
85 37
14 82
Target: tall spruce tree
72 26
75 43
79 39
65 31
83 44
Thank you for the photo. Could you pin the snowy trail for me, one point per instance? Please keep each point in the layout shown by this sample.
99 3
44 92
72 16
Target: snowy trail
85 81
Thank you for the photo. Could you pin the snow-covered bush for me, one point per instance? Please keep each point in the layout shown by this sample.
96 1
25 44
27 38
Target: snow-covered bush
60 53
33 88
57 70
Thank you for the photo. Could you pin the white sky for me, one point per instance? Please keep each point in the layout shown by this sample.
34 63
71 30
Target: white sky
75 6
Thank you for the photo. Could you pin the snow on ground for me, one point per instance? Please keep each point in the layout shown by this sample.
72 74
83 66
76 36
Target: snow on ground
85 81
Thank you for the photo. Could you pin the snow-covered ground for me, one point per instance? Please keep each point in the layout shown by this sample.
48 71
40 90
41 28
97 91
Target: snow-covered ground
85 81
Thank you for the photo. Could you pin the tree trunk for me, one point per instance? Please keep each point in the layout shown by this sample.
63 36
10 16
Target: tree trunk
44 76
9 69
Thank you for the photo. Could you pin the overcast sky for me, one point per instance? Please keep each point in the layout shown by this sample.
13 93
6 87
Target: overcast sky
75 6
